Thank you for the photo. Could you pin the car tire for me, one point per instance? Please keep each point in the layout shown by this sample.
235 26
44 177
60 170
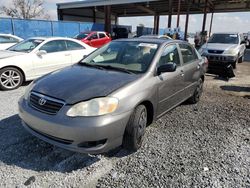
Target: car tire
10 78
135 129
234 64
241 59
197 93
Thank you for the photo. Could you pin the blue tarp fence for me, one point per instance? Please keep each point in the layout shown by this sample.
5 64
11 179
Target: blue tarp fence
32 28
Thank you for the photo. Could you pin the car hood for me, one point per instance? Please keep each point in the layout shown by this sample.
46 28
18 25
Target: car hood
79 83
219 46
6 54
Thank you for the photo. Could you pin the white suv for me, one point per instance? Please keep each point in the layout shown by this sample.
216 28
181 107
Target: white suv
223 49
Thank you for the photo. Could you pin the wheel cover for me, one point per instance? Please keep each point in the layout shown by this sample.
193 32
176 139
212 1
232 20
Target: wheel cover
141 127
10 79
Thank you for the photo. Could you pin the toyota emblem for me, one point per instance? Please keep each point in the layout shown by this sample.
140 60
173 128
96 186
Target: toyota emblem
42 102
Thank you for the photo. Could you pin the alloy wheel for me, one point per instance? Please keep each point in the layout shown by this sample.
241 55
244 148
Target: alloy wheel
10 79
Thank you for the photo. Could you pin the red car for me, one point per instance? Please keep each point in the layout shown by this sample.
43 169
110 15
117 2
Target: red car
94 38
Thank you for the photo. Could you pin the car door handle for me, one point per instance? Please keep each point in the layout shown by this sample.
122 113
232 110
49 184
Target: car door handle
67 54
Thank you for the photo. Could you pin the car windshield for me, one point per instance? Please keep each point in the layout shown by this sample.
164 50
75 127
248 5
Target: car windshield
81 36
224 38
26 46
129 56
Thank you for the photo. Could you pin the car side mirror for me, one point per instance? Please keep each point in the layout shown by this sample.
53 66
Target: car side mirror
169 67
41 52
89 38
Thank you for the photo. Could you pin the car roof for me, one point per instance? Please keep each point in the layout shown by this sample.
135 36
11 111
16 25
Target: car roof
230 33
51 38
152 40
154 36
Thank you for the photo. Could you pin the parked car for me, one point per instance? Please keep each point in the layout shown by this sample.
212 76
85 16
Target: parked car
223 49
8 40
94 38
107 103
38 56
155 37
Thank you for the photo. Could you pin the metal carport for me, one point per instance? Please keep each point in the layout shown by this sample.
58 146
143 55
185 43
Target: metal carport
108 11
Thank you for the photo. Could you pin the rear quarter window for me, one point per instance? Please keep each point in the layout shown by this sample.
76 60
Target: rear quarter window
188 53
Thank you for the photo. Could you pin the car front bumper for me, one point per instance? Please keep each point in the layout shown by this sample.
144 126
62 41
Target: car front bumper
91 135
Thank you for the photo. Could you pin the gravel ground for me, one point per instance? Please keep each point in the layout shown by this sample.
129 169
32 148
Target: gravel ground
203 145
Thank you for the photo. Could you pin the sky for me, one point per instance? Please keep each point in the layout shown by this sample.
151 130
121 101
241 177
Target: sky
223 22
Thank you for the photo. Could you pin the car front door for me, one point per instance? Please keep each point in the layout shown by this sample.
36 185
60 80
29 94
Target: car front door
191 67
170 84
56 57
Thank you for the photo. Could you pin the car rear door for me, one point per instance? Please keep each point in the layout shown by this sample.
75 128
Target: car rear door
76 50
56 57
103 38
191 66
170 84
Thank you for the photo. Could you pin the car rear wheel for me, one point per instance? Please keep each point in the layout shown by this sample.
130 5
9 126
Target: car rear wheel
197 94
10 78
135 130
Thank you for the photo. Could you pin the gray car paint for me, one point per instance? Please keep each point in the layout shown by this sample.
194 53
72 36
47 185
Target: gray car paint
163 92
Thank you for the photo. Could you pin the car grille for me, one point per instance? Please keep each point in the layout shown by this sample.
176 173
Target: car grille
217 58
45 104
215 51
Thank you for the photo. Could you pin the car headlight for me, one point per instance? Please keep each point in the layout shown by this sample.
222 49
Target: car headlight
231 51
94 107
28 90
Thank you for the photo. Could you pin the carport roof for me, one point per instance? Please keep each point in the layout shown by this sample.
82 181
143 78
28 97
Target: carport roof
123 8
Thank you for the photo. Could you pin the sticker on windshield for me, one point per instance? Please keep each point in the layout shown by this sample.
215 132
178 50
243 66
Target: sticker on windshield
235 36
153 46
38 41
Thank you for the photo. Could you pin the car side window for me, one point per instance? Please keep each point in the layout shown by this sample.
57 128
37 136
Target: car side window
170 55
188 53
54 46
73 45
102 35
94 36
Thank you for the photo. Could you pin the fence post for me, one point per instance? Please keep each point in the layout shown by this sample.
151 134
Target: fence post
12 27
52 30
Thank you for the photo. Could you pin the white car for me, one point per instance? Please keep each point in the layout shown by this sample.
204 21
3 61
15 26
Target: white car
8 40
38 56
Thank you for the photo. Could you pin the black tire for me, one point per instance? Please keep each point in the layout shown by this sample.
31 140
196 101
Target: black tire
197 93
241 59
135 130
234 64
10 78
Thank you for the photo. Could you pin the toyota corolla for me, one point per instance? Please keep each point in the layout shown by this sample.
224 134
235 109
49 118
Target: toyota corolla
107 99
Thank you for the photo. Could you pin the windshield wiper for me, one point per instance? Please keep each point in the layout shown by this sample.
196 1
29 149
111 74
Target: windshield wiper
117 68
91 65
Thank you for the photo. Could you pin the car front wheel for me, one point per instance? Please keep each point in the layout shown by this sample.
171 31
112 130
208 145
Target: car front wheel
10 78
135 130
